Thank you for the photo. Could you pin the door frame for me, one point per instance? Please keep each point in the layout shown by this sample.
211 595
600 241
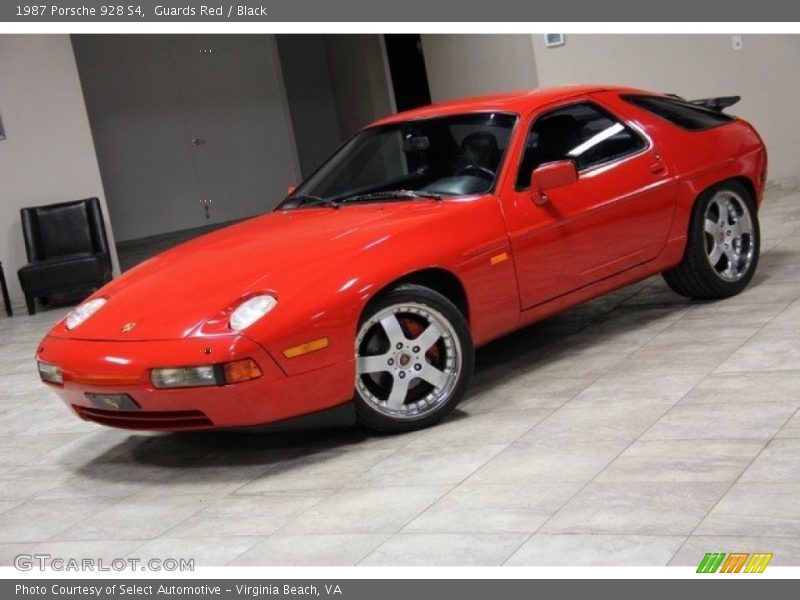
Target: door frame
272 43
387 73
528 118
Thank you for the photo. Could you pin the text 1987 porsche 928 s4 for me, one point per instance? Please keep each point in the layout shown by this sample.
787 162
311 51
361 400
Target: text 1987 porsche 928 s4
425 235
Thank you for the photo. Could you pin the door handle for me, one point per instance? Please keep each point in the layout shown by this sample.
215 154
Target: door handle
658 167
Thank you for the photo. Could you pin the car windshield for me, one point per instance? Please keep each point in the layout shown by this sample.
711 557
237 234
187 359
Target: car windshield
456 155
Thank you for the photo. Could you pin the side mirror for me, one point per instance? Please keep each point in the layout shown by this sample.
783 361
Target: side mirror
550 176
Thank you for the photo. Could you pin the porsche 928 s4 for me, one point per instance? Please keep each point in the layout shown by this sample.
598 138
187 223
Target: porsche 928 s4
425 235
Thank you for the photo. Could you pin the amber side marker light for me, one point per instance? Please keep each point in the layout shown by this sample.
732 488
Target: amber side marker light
206 375
311 346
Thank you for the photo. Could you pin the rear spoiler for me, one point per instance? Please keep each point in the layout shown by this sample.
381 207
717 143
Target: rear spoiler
717 104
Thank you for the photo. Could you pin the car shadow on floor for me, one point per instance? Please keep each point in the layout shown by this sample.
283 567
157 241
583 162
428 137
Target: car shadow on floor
317 438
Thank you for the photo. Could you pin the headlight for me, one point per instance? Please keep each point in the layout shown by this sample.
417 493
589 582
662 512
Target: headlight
50 373
251 310
83 311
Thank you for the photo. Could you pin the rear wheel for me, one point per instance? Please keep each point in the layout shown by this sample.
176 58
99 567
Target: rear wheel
722 248
414 357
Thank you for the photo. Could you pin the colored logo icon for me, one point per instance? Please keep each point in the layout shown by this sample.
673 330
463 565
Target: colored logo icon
735 562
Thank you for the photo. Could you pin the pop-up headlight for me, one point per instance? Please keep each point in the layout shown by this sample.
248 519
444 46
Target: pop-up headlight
251 310
83 311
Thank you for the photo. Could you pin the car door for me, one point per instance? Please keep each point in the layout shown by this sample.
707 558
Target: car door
615 216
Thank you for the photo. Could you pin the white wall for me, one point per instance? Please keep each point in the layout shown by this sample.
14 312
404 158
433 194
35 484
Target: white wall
309 92
468 65
360 79
149 96
766 73
48 155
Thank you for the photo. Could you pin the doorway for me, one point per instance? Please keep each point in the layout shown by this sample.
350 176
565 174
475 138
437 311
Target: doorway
407 69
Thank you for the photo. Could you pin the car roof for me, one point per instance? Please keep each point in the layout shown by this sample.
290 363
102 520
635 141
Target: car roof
506 102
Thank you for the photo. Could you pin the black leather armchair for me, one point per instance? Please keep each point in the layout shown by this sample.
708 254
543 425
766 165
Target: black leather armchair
67 249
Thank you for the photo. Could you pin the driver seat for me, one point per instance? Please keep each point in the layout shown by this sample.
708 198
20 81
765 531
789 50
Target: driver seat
479 149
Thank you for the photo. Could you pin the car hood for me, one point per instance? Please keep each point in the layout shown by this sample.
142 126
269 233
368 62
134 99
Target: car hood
172 295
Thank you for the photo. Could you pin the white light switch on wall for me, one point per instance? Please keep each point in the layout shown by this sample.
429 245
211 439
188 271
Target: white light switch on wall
736 42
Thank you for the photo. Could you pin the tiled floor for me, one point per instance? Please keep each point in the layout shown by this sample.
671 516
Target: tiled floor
638 429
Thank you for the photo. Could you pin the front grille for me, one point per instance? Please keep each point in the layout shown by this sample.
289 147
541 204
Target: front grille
149 420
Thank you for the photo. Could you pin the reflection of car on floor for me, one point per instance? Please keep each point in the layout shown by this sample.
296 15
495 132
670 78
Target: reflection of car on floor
425 235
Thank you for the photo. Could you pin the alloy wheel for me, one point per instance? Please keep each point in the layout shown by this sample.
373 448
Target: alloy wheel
729 235
408 360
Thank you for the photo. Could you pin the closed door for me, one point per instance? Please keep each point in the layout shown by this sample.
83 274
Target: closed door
189 130
616 216
140 137
237 123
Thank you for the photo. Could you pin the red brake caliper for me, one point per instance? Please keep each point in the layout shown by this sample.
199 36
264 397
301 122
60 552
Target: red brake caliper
413 329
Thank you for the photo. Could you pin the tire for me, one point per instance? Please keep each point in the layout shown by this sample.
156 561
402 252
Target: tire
723 217
414 359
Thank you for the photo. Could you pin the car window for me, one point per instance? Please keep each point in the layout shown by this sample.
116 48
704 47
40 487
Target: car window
378 158
454 155
680 112
582 132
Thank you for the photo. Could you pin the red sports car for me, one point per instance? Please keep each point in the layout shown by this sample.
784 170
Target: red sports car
425 235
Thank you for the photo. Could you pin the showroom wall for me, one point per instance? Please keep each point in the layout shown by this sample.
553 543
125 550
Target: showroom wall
190 130
48 155
179 120
360 78
467 65
695 66
309 91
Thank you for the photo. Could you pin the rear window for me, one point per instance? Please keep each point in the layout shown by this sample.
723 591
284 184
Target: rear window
680 112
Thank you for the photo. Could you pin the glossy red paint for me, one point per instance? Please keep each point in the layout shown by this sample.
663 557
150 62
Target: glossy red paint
517 261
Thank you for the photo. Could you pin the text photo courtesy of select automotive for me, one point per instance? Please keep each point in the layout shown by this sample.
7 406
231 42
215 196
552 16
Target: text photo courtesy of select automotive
402 299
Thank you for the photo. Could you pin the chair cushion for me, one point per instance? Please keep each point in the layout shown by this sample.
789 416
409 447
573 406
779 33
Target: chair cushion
74 270
64 229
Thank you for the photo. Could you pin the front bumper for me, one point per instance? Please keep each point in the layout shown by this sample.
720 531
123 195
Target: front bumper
109 367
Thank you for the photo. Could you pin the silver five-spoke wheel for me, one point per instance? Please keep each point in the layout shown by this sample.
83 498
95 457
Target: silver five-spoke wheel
722 243
729 235
408 360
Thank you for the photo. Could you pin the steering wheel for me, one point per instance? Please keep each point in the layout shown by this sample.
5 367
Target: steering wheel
477 170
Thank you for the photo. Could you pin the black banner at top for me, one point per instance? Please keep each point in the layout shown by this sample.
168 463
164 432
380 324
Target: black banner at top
41 11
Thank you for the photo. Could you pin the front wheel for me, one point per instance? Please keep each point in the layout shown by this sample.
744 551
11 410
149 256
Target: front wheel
722 248
414 358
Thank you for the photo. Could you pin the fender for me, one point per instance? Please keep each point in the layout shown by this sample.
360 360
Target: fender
692 186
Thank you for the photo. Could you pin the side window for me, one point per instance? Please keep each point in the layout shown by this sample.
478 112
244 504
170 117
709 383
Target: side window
581 132
680 112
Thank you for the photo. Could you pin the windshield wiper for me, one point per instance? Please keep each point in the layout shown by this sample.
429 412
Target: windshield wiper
309 199
394 195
